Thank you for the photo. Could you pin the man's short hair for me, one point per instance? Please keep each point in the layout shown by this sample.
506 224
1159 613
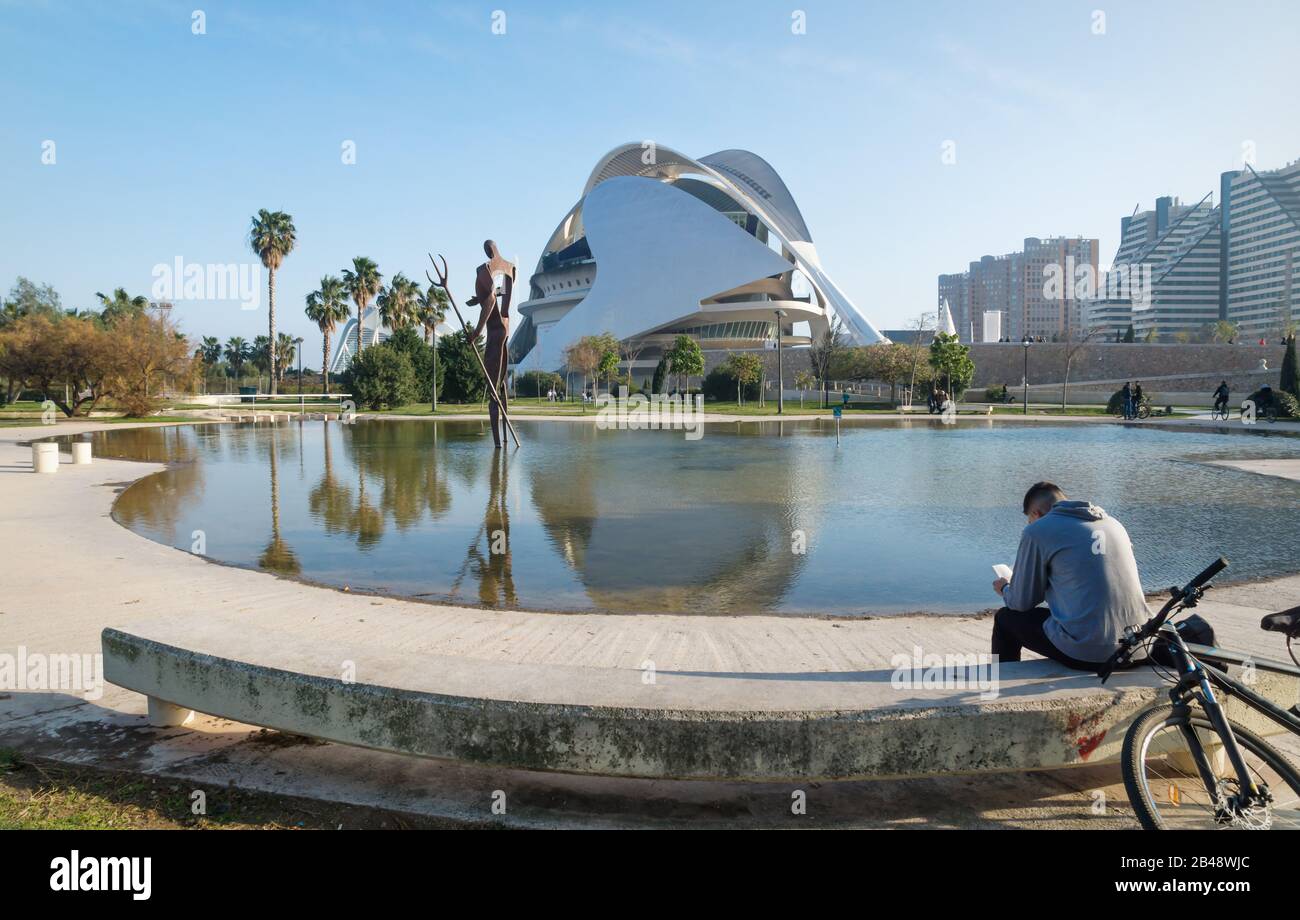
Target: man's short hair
1040 493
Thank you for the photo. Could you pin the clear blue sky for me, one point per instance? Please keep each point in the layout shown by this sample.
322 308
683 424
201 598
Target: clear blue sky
167 142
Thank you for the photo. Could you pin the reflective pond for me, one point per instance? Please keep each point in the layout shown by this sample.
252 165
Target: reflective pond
758 517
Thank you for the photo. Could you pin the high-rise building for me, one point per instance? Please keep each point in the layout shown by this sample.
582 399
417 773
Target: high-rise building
1164 279
1261 246
1016 286
1180 269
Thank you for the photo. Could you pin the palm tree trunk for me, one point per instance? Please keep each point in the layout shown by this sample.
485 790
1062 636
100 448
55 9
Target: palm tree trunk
325 363
361 320
270 313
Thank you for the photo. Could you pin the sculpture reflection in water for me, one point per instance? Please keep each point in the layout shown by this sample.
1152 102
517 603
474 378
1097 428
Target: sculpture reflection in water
488 557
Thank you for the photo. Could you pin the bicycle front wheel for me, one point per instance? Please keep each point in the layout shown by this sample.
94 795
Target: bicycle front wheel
1167 791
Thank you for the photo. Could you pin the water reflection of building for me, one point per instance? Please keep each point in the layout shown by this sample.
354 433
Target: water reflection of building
633 536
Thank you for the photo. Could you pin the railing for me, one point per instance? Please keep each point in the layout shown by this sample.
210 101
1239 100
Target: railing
284 401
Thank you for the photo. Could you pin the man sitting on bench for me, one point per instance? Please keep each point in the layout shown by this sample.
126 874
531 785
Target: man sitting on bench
1078 559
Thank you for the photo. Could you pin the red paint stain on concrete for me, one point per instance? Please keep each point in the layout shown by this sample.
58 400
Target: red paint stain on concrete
1088 743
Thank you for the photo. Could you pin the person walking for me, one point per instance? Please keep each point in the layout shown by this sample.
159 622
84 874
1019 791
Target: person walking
1127 400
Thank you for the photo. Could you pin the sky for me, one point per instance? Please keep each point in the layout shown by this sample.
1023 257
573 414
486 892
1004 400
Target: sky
915 137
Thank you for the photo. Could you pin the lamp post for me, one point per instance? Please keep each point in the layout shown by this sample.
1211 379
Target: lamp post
297 344
1025 342
780 366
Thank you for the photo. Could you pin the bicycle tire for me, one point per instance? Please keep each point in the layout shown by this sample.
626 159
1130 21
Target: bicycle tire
1135 743
1144 411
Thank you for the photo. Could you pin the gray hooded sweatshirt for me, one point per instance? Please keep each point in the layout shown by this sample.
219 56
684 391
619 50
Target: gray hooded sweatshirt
1080 561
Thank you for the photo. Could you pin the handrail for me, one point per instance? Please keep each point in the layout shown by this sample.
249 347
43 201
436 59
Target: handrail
237 398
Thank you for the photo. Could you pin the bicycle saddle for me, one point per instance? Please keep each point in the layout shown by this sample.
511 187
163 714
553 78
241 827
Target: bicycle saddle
1287 622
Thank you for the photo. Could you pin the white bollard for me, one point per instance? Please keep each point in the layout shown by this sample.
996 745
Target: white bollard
167 715
81 453
45 457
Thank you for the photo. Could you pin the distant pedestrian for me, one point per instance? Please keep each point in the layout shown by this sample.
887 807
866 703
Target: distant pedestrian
1126 396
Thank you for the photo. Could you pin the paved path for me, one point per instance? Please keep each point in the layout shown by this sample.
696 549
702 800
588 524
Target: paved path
70 570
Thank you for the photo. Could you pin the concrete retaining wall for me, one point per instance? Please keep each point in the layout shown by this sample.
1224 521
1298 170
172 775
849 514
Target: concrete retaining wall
1019 731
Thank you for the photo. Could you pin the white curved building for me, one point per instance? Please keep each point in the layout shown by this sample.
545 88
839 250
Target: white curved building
661 245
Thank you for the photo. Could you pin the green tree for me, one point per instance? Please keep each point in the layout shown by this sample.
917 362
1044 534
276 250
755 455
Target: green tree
430 312
1129 336
746 369
261 356
272 236
538 383
686 359
363 282
661 371
381 378
238 353
951 360
421 355
327 306
121 306
825 354
286 348
1290 372
27 299
397 302
462 377
610 355
209 353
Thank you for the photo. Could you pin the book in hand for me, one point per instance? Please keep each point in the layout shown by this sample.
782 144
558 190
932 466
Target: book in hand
1002 571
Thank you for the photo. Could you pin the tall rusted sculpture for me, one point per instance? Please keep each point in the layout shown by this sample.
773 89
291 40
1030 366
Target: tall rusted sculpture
494 314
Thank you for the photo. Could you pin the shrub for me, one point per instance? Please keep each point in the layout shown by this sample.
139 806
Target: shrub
720 385
1287 405
462 378
381 378
537 383
410 343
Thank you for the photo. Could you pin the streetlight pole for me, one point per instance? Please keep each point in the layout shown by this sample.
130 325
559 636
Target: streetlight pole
297 344
1025 342
780 366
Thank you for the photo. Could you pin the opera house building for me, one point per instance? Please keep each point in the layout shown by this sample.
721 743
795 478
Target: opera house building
660 245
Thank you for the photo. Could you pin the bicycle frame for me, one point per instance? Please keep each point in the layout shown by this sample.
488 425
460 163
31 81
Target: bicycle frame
1198 680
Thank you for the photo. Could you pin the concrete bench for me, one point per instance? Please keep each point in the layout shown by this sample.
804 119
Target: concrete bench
613 722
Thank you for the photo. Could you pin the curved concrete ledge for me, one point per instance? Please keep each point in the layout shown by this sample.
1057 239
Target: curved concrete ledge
685 725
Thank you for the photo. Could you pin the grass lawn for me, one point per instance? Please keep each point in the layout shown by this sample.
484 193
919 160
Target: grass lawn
38 794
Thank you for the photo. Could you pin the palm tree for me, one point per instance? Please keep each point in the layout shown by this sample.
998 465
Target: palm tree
285 349
363 282
430 310
261 356
327 307
272 237
209 352
121 305
397 302
238 353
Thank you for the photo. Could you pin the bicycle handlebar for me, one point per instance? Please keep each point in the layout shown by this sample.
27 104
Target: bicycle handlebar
1178 599
1214 568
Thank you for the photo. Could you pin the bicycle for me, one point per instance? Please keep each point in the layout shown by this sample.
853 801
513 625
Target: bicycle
1220 411
1142 410
1185 763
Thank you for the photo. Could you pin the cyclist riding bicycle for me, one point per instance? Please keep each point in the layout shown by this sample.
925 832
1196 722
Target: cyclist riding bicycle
1221 397
1266 402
